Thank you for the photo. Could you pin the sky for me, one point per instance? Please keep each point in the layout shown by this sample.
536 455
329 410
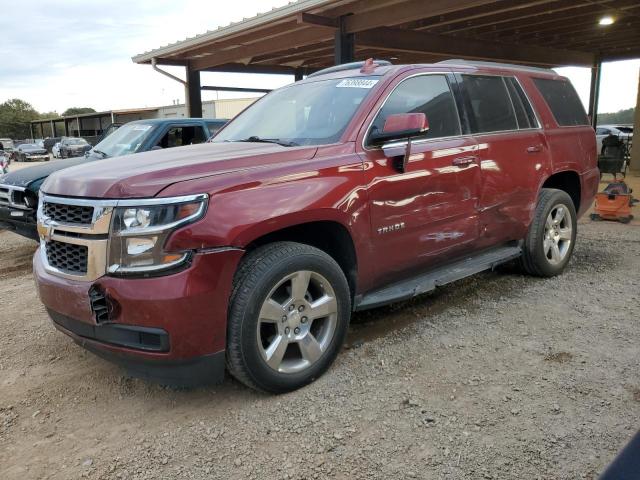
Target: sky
77 53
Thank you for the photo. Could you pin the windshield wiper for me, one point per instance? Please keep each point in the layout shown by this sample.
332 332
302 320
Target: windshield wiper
268 140
100 152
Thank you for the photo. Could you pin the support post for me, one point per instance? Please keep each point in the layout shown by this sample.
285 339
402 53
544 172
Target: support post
344 47
31 130
594 92
193 93
635 149
298 74
66 128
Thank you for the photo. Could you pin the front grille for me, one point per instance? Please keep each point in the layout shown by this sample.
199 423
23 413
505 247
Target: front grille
67 257
74 214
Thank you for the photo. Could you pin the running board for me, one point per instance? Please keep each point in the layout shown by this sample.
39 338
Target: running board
427 282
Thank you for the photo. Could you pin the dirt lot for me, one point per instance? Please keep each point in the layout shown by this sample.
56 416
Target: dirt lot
499 376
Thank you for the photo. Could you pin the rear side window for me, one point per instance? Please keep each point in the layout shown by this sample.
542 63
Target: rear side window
563 102
490 104
428 94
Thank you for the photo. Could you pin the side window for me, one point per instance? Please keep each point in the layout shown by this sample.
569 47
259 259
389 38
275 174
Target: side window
490 104
214 127
428 94
602 131
524 113
563 101
180 136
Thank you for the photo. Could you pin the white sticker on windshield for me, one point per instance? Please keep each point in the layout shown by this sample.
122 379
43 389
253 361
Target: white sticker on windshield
356 83
144 128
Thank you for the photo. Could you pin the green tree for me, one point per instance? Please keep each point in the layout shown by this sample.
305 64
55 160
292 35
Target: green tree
77 111
621 116
15 118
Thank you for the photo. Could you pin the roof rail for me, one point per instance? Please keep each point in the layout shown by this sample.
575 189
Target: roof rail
349 66
478 63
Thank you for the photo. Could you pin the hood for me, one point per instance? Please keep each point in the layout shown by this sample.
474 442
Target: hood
25 176
146 174
35 151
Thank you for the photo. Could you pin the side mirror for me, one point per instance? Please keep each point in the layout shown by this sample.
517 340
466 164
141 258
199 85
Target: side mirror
401 126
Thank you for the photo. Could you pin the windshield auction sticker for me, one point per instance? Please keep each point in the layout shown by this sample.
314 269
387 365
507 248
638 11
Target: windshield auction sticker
356 83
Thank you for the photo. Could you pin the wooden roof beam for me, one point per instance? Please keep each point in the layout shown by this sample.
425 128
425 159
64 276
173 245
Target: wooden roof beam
421 42
308 36
409 11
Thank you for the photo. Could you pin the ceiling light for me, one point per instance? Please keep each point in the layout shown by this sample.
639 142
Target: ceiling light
604 21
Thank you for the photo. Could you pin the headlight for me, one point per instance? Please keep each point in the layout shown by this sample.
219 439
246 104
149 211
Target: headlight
139 231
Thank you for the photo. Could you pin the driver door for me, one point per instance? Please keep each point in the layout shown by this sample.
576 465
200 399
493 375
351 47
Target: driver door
428 213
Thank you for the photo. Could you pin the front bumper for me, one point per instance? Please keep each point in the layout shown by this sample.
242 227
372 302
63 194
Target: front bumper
169 329
23 222
36 158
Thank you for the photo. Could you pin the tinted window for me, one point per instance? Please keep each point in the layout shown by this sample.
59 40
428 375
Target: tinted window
180 136
490 104
563 101
428 94
524 113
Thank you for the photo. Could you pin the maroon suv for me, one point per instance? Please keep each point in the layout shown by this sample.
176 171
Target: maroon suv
359 186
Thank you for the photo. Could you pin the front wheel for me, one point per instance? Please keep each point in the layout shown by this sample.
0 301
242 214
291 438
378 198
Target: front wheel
288 317
552 234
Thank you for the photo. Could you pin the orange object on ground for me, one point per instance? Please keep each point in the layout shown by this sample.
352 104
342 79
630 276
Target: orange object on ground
614 203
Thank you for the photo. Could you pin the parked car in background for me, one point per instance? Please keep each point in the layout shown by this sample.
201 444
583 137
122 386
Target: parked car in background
19 190
6 144
55 150
49 142
623 132
360 186
31 152
73 147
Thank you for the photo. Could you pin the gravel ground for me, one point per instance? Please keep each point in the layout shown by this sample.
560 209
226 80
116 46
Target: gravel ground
498 376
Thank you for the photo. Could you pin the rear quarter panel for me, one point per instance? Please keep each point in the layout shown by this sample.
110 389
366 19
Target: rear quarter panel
570 148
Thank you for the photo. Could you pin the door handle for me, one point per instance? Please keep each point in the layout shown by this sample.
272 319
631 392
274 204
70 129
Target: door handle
534 149
464 161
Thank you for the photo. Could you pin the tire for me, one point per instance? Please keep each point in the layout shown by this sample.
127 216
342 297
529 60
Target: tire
539 256
292 351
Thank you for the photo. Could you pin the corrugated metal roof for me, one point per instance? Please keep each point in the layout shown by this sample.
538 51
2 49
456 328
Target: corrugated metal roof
260 19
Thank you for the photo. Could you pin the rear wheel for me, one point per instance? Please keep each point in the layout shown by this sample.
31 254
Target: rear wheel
552 234
288 317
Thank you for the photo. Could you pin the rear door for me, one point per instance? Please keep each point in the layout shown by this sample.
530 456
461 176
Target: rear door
427 213
513 154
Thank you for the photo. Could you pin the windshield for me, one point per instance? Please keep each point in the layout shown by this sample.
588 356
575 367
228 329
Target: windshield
302 114
75 141
125 140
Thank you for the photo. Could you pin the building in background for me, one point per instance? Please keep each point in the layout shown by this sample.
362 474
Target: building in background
93 125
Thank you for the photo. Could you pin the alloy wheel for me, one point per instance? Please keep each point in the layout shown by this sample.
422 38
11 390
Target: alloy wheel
297 322
558 234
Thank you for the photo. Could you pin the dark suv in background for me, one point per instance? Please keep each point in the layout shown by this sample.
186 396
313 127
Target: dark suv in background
19 190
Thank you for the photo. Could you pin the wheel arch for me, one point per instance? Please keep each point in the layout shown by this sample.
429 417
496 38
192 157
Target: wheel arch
569 182
330 236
